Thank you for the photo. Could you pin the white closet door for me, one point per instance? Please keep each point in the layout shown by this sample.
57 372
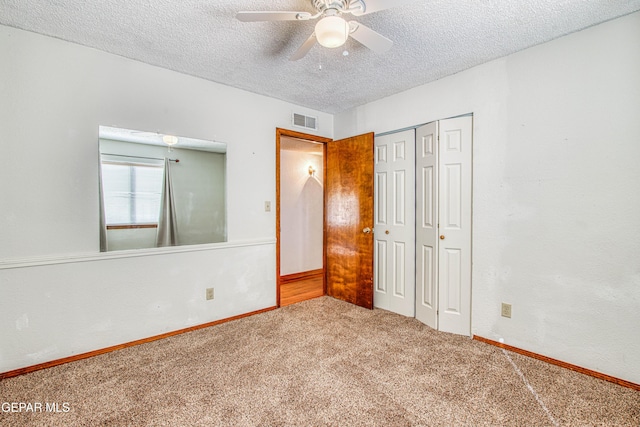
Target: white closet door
427 224
394 227
443 225
454 254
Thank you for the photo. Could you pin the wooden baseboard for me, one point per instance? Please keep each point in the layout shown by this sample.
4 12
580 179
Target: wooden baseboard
302 275
560 363
64 360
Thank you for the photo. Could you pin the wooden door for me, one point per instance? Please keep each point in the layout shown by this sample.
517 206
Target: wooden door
349 219
394 236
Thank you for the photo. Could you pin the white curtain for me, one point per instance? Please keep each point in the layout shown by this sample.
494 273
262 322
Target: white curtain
103 224
167 224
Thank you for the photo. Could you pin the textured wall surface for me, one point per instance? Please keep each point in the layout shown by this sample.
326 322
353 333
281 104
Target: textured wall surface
58 296
555 207
555 199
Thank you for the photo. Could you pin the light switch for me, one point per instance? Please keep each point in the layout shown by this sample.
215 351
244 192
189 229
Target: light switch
267 206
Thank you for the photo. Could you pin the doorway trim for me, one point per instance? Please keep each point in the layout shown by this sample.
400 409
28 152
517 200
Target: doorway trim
280 132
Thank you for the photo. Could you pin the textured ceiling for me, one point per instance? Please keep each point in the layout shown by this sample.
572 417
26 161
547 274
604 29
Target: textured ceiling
432 39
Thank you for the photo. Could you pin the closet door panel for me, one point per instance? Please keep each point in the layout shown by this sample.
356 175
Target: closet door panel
394 228
427 224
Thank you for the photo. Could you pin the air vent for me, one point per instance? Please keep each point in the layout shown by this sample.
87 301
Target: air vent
307 122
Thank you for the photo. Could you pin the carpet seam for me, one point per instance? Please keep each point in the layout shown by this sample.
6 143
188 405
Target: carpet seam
531 389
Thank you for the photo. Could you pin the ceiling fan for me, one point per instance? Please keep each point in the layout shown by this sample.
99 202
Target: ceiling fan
332 30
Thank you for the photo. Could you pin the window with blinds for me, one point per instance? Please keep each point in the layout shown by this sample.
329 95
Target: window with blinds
132 193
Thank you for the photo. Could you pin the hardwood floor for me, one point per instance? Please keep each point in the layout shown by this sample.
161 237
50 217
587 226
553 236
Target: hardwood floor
300 289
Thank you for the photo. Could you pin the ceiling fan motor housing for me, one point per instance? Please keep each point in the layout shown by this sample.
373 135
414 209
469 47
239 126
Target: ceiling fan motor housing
324 5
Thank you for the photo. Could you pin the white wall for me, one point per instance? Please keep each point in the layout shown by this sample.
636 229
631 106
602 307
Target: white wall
199 194
556 206
301 212
556 199
53 97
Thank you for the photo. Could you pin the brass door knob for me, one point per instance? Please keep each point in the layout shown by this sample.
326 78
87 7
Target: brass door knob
442 237
386 232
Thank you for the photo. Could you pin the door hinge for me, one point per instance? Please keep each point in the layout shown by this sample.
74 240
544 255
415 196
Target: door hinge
437 312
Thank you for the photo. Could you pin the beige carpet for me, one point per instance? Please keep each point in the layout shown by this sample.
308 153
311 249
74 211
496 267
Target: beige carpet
318 363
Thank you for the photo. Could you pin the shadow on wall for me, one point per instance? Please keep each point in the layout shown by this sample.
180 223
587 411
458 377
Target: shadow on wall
310 208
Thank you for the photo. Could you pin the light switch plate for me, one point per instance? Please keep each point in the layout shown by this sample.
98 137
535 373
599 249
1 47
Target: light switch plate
267 206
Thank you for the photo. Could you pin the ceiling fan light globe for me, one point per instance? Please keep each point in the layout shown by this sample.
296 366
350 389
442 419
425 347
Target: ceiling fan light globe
170 139
332 31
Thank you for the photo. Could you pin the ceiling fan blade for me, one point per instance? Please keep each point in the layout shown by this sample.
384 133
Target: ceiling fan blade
304 49
374 41
371 6
273 16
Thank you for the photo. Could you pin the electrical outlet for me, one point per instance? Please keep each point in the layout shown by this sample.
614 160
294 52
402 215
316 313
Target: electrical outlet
209 293
506 310
267 206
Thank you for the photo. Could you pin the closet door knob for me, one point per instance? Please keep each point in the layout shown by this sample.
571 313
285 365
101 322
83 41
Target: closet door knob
442 237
